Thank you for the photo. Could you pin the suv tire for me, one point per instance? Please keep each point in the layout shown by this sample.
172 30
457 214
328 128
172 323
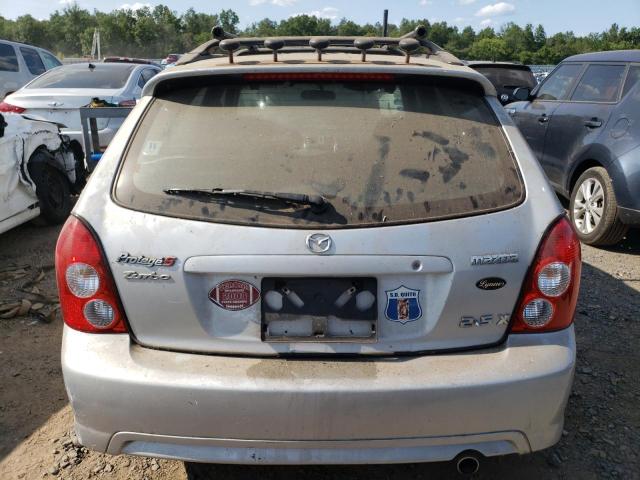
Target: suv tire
593 195
52 189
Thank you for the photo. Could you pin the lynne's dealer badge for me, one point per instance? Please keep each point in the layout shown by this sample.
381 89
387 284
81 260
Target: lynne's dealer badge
403 305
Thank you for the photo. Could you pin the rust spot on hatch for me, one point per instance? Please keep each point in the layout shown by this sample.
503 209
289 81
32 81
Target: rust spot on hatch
293 369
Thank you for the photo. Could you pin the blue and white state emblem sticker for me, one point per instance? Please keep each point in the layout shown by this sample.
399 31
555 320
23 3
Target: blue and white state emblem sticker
403 305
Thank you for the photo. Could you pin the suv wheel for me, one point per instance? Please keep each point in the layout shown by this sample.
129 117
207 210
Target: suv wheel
52 189
594 209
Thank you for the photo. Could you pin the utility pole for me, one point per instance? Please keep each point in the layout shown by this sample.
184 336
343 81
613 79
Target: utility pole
96 54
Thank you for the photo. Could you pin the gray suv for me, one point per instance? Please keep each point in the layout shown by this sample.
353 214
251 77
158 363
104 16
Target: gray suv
20 63
583 124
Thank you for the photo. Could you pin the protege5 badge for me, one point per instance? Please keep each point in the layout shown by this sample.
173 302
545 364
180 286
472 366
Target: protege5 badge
147 261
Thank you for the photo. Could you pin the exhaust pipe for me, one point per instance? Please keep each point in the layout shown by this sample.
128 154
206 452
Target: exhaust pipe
468 463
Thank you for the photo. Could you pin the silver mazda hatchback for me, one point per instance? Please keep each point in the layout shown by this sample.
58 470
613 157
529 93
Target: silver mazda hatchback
318 251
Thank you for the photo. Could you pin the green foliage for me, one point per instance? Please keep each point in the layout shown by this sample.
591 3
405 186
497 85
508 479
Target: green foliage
263 28
152 32
305 25
494 49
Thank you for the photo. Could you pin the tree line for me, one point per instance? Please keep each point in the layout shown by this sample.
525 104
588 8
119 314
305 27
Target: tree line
153 32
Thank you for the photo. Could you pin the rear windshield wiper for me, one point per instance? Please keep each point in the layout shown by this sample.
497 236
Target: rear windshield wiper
317 202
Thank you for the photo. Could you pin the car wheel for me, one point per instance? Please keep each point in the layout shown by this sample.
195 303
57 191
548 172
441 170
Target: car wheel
52 189
594 209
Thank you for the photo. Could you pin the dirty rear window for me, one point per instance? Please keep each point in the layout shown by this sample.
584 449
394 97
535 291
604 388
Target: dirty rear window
400 150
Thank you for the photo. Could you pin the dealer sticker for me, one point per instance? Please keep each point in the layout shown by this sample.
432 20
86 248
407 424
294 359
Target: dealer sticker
403 305
234 295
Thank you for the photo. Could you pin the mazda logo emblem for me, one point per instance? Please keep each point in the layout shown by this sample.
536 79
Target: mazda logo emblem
319 243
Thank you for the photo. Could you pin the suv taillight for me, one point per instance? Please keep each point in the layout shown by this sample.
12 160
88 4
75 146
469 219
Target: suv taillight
88 295
8 108
550 291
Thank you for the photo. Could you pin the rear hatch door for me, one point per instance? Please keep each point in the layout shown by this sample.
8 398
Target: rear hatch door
423 246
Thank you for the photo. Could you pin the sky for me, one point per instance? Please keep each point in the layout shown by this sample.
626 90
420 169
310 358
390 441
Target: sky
579 16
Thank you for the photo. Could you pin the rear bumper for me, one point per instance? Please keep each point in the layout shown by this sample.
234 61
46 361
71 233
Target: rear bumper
130 399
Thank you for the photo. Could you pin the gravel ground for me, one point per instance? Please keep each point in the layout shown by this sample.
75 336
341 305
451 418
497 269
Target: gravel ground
600 440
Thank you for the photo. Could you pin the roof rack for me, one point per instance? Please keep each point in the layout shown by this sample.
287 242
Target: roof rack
226 44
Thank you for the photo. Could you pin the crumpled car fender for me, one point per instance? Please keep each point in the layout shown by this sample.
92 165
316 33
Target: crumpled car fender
22 138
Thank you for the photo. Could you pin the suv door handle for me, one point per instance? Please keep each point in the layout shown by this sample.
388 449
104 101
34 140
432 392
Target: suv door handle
543 118
593 123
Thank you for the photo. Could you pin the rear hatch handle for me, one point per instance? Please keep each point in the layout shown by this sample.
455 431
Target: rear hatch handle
318 265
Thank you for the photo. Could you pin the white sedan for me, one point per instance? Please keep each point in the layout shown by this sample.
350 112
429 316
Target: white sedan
58 94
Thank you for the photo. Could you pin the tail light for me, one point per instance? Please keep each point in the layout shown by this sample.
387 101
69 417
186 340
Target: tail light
550 291
8 108
319 76
88 295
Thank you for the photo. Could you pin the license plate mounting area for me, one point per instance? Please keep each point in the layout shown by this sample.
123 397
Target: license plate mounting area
326 309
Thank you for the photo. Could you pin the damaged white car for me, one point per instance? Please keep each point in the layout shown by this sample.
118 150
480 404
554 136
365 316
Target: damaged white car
37 172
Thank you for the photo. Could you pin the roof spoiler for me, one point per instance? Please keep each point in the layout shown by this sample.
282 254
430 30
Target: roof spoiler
227 44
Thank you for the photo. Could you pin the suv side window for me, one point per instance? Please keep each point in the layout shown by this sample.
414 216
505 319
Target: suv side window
633 77
600 83
49 60
559 84
33 60
146 75
8 58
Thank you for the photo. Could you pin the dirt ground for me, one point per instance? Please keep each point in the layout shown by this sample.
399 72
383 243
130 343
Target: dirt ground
602 431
